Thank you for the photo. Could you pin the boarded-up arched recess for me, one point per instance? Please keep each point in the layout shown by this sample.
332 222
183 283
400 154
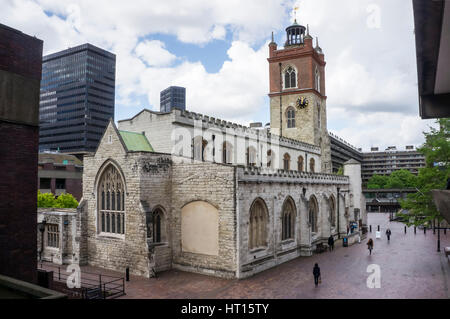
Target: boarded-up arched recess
200 228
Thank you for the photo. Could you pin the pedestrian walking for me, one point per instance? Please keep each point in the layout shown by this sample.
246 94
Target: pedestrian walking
331 242
388 234
316 273
370 245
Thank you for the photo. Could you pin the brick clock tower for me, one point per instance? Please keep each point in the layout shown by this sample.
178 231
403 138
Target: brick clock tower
297 91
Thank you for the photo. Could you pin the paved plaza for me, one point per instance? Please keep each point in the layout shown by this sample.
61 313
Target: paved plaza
410 268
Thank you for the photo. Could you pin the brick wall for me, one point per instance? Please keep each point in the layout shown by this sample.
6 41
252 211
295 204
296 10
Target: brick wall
18 200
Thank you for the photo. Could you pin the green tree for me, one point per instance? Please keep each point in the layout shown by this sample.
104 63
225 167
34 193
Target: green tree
420 205
45 200
66 201
377 181
401 179
48 200
340 171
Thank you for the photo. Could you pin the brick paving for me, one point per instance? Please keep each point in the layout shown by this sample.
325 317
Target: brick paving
410 268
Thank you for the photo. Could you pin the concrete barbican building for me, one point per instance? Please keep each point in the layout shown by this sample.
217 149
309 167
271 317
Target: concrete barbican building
191 192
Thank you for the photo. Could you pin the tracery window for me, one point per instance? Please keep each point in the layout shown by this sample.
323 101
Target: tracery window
288 220
155 226
290 117
290 78
111 197
258 225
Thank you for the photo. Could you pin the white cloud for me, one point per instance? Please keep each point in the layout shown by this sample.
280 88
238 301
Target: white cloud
236 92
371 73
154 54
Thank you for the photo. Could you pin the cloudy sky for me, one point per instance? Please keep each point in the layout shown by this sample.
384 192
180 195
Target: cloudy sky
218 50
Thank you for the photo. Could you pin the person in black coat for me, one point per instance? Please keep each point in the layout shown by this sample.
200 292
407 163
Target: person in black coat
388 234
316 273
331 242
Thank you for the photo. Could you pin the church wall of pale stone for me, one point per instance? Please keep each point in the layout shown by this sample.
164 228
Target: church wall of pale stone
216 185
274 191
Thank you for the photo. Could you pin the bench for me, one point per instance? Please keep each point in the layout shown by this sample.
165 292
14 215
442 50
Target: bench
447 251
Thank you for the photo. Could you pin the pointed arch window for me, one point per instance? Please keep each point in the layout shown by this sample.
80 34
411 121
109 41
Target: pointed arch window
290 114
312 164
251 156
156 226
286 162
290 78
111 202
332 212
199 148
318 116
313 214
317 80
300 164
270 159
227 150
288 220
258 225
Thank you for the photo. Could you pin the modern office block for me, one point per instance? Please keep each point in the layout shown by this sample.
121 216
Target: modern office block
77 98
173 97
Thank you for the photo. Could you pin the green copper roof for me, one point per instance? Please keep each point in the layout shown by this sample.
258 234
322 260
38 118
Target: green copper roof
136 141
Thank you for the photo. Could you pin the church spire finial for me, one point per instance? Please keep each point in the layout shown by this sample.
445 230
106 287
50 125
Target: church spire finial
272 36
318 48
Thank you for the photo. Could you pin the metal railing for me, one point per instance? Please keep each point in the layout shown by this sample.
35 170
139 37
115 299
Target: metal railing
93 286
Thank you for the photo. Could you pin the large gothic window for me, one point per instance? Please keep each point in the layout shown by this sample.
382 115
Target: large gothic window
288 220
290 117
111 197
313 214
290 78
258 224
286 162
312 164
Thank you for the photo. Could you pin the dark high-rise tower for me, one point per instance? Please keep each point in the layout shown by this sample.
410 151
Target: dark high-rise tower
173 97
77 98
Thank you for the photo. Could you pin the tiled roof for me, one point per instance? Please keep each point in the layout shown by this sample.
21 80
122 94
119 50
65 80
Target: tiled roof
136 141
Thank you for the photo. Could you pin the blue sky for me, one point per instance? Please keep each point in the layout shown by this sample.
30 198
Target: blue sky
218 51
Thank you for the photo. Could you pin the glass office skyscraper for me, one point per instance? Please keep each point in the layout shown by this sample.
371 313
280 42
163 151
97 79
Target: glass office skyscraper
172 97
77 98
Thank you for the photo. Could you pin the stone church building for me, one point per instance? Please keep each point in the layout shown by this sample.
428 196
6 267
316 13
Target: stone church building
191 192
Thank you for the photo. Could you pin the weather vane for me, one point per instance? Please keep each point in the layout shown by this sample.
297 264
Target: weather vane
295 13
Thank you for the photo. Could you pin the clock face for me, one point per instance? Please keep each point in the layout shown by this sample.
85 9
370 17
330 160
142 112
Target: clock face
302 102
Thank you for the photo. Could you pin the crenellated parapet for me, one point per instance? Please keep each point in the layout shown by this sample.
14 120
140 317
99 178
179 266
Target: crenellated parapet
188 118
260 175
